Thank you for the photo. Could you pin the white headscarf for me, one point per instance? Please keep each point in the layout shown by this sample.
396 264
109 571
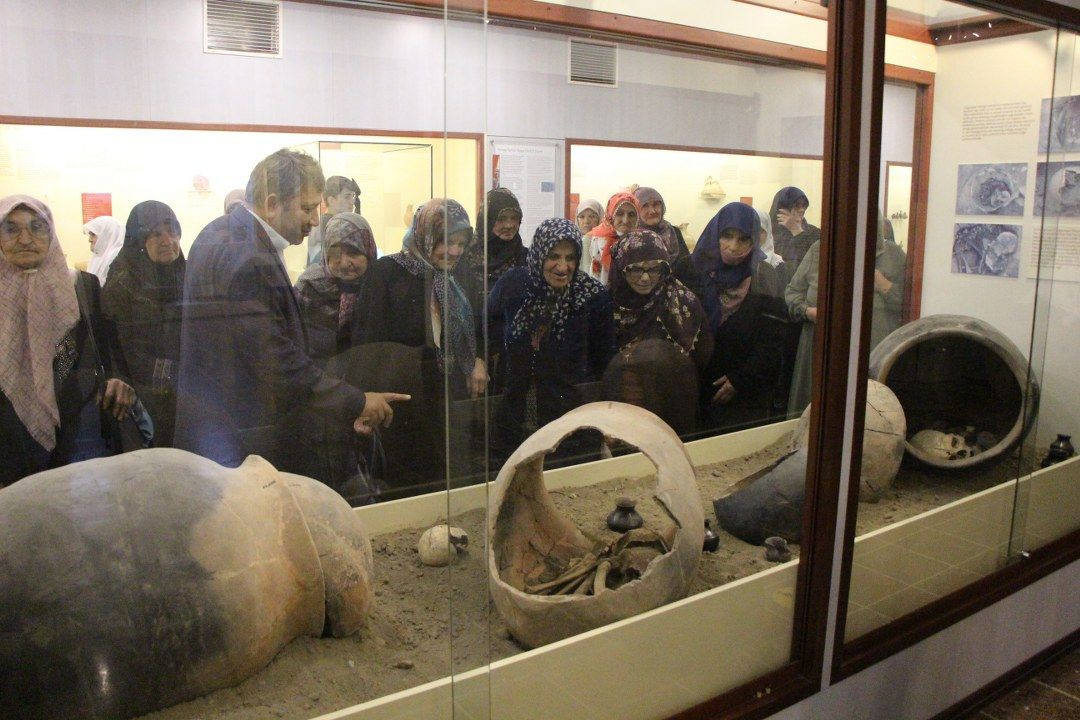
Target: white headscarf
110 238
37 308
766 245
593 205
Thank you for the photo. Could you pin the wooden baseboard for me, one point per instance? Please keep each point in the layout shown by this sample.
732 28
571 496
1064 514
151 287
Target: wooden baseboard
1010 680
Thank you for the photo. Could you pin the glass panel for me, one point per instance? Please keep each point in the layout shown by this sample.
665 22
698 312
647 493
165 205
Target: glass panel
953 397
644 311
1047 503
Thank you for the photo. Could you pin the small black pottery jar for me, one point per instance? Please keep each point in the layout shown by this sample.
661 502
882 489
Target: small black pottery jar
712 540
1060 449
624 517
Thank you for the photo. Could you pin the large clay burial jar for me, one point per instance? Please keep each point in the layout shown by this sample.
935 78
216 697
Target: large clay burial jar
528 535
131 583
967 391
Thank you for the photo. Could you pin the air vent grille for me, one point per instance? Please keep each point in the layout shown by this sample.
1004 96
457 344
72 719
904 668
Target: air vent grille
243 27
593 63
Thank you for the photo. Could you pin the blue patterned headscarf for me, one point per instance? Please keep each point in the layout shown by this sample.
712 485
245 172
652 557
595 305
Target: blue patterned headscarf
544 305
433 223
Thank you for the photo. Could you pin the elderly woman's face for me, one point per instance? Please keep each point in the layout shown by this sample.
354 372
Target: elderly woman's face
587 219
625 218
507 224
24 238
652 212
444 255
346 262
560 265
163 243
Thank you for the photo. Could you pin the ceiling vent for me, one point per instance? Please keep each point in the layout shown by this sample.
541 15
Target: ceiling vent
242 27
593 63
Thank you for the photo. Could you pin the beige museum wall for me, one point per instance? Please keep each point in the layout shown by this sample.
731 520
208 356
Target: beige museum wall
1017 69
58 164
741 18
681 175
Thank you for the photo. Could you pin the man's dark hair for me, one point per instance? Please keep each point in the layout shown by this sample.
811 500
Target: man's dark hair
284 173
337 184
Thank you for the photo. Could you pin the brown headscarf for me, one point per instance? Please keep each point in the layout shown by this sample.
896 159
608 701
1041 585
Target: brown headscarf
664 229
37 309
671 304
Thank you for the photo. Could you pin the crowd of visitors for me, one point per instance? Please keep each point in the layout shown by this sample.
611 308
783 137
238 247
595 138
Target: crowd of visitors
220 353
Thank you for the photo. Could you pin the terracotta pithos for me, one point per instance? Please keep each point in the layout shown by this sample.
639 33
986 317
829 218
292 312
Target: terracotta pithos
1010 397
884 433
526 530
131 583
770 503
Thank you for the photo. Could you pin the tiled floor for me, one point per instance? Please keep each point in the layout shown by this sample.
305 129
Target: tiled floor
1053 694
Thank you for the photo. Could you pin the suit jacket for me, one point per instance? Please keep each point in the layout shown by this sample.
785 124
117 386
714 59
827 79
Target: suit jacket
245 374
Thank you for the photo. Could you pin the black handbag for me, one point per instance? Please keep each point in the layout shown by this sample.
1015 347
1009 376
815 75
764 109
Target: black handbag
121 435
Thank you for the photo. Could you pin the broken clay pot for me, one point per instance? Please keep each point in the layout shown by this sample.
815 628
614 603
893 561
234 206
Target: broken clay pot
528 535
135 582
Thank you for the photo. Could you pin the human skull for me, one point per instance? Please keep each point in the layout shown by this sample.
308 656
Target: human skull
943 446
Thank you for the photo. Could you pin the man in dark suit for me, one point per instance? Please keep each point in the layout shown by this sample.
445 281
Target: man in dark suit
245 378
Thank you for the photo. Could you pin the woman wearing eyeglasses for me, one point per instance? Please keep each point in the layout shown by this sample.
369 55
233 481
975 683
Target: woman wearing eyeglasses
49 365
742 296
661 332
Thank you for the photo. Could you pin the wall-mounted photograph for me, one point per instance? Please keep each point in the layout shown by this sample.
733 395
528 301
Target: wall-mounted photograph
1057 189
986 249
991 189
1059 125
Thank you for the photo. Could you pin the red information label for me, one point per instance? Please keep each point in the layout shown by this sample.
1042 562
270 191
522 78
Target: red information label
95 205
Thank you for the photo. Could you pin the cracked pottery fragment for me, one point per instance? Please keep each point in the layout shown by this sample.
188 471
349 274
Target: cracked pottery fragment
547 579
135 582
770 501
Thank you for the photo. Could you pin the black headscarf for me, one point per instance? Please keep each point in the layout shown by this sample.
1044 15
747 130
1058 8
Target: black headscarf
502 255
162 284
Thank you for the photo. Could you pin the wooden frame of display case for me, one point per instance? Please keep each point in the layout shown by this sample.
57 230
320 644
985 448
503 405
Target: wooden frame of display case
846 150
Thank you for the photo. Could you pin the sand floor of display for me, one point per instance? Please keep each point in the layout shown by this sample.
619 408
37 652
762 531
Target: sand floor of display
428 623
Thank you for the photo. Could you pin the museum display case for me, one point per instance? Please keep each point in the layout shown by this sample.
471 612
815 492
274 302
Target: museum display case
967 319
832 394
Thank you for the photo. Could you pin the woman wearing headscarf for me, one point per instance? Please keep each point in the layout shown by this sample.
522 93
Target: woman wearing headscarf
106 239
661 332
889 263
767 243
495 254
51 406
412 297
653 210
589 214
329 289
801 296
792 234
143 297
559 333
623 213
741 294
